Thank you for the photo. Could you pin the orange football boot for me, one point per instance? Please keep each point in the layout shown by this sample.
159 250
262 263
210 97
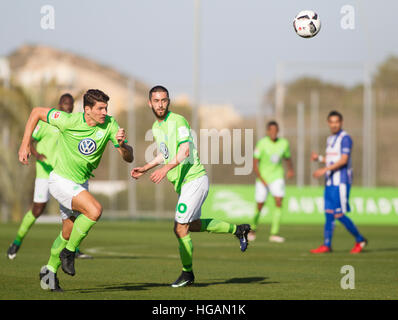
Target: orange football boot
321 249
359 246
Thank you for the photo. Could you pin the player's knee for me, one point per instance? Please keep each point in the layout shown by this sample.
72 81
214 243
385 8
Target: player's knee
176 230
38 209
37 213
180 230
66 234
95 211
98 211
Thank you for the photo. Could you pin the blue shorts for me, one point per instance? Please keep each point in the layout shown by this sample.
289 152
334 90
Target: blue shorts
336 198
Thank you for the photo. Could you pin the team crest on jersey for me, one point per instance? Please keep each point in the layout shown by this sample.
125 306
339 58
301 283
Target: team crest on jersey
99 134
87 146
56 115
275 158
164 150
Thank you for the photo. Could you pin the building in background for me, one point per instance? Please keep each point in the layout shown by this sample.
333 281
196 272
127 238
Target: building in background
32 66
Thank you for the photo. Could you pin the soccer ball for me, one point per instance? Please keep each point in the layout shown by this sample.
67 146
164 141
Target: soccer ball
307 24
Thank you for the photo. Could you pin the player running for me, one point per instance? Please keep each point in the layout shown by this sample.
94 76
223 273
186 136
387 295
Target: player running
268 166
82 141
338 180
44 151
184 170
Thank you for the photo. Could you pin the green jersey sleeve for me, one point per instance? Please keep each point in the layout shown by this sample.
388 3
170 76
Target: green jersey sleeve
59 119
114 130
257 151
183 131
287 154
38 132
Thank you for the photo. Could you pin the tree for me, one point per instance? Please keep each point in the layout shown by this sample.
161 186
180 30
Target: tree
15 107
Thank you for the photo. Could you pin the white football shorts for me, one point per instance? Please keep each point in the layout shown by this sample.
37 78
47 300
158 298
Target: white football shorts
63 190
193 195
41 193
276 188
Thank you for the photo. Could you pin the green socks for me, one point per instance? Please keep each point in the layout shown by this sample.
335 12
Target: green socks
276 219
255 220
54 262
209 225
186 251
81 227
27 221
217 226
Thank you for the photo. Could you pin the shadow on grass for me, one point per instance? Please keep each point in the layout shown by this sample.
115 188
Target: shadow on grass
379 250
146 286
366 250
116 257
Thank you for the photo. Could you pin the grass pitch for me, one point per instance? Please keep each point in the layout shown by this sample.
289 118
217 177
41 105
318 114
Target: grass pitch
139 260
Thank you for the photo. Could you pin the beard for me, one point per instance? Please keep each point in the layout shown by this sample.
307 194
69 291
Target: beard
161 117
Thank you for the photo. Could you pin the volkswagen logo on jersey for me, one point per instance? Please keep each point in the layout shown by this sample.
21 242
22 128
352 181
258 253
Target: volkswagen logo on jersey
275 158
87 146
164 150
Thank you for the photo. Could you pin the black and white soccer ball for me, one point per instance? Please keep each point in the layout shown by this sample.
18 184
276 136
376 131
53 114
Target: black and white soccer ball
307 24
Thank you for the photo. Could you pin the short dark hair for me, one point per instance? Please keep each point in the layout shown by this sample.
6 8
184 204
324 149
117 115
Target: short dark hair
158 89
335 113
65 96
92 96
272 123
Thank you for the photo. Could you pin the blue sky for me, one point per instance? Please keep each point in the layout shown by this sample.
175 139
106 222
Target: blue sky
241 41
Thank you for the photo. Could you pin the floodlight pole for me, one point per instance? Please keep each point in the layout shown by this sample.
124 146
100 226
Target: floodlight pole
196 77
5 74
279 97
196 68
369 132
300 144
260 125
131 128
314 101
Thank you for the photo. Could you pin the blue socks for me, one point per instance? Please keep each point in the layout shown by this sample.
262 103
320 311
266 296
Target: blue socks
347 222
328 231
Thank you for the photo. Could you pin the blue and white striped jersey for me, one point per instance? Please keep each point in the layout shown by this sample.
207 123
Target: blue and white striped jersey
337 145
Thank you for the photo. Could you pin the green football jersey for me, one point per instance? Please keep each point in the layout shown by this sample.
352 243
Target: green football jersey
80 147
46 137
169 134
270 155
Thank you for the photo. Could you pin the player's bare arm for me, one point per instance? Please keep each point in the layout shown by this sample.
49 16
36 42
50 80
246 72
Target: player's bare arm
158 175
290 170
139 171
317 157
182 154
257 171
37 114
124 149
38 156
342 162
